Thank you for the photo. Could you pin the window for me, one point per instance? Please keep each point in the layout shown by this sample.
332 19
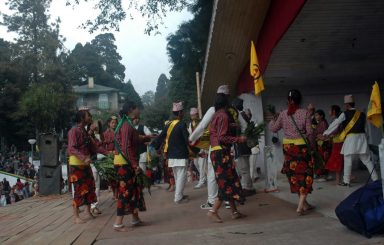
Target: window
103 102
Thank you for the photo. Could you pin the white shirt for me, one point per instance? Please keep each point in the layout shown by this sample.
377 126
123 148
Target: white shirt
353 143
204 123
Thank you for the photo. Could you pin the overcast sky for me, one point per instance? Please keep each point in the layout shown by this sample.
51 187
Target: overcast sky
144 56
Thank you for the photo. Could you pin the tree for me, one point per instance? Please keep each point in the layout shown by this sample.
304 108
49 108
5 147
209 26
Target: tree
112 12
131 93
154 114
45 95
148 98
38 40
186 49
98 59
161 88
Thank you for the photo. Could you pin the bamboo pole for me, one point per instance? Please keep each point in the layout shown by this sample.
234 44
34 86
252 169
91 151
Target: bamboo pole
198 95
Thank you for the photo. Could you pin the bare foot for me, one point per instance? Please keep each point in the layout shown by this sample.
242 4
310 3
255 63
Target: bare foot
237 215
78 221
121 228
214 216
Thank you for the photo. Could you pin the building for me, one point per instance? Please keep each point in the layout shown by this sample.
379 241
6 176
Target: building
97 97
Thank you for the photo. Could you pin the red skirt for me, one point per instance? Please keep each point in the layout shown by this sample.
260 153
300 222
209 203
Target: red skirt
336 161
298 167
83 185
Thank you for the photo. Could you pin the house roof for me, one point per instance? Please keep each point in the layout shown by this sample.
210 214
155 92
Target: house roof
84 89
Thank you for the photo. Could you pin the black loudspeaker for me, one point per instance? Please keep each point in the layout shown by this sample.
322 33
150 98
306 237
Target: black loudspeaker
49 150
49 180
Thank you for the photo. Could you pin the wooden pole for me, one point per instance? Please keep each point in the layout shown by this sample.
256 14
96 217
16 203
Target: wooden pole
198 95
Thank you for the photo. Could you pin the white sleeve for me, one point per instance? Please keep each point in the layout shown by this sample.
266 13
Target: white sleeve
147 131
335 124
243 123
199 130
190 128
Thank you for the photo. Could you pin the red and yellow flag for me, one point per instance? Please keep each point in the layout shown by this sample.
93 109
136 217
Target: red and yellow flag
255 71
374 108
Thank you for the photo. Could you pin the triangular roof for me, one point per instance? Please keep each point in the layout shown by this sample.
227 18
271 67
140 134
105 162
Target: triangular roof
84 89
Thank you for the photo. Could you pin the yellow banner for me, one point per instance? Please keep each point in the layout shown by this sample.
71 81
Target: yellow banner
255 71
374 108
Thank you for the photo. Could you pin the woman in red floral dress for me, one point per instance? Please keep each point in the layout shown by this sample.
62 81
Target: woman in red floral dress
226 176
130 194
298 163
80 148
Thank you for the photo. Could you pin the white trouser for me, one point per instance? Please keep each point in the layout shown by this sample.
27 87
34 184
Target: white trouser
253 166
201 165
243 170
211 184
96 176
365 158
180 174
143 166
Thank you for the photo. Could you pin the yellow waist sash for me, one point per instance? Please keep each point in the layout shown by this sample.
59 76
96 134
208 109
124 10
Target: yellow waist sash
216 148
337 139
75 161
119 160
293 141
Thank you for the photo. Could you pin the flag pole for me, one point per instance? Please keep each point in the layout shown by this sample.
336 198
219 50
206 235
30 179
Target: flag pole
198 95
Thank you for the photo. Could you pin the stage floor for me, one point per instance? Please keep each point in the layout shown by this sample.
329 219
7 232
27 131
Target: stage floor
48 220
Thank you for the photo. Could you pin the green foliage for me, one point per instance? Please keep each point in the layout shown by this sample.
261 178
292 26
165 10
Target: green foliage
253 132
106 169
148 98
155 113
112 12
131 94
186 49
43 105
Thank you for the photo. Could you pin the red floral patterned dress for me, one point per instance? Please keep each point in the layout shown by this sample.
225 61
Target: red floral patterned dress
227 178
130 193
81 146
298 163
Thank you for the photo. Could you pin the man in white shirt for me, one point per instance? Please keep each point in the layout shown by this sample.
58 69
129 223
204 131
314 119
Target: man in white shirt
195 136
355 144
201 160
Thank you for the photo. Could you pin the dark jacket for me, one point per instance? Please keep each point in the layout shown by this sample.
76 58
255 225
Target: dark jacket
177 143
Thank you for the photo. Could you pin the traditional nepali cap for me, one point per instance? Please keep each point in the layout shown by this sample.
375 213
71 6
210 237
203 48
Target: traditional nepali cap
348 99
83 108
178 106
223 89
193 111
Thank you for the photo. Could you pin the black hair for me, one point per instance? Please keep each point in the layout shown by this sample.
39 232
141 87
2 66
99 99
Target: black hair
238 104
336 109
176 113
295 96
352 104
128 107
221 101
321 113
80 115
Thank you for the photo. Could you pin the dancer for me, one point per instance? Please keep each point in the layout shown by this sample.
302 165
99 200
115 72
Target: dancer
355 143
227 179
298 164
80 149
130 193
